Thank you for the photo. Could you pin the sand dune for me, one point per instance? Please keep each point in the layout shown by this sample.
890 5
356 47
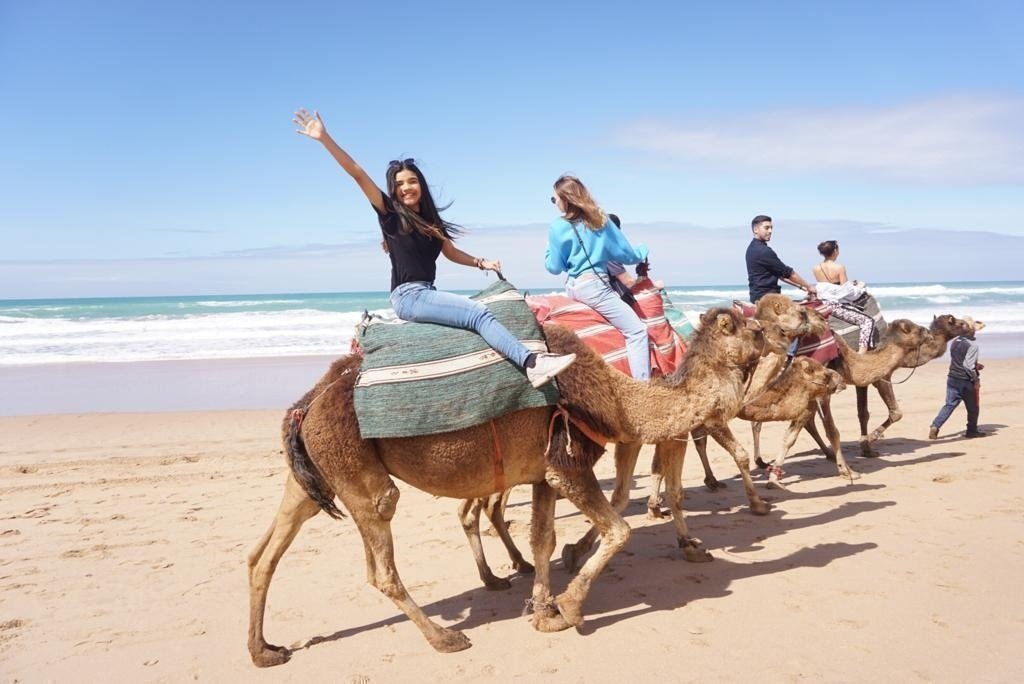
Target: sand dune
123 540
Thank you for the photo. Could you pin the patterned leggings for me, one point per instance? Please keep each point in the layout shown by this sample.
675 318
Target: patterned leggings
866 323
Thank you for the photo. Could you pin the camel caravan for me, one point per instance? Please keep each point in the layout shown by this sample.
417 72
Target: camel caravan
347 438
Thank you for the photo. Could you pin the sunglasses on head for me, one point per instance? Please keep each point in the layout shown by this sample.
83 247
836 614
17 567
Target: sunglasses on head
401 162
554 201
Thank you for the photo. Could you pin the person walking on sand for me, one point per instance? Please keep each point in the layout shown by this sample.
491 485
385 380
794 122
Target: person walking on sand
836 289
581 242
963 383
764 268
414 236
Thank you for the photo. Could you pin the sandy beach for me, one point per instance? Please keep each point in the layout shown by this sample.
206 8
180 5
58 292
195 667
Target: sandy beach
124 535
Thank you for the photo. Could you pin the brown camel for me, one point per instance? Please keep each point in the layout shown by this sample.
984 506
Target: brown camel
720 397
862 370
943 329
805 388
328 458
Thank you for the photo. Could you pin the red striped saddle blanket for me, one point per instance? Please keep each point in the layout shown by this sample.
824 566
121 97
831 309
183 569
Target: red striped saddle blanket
820 348
667 347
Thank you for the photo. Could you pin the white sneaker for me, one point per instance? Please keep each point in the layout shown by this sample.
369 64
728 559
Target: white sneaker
547 366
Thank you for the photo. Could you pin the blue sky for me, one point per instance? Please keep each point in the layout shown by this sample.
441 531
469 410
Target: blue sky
143 140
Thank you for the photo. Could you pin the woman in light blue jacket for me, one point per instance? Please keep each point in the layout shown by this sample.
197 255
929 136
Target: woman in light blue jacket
581 242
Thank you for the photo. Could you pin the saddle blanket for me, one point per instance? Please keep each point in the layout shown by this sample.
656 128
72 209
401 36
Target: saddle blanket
850 332
821 348
422 378
666 345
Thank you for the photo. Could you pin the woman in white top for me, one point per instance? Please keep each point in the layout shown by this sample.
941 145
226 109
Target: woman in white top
835 288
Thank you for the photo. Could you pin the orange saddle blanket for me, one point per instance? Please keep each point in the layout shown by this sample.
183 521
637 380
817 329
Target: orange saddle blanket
667 347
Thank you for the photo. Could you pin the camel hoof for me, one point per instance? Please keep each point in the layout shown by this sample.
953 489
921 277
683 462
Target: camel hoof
760 463
549 623
522 567
876 435
270 656
760 507
775 483
570 561
570 611
829 455
849 474
713 485
868 452
656 513
497 583
694 551
450 641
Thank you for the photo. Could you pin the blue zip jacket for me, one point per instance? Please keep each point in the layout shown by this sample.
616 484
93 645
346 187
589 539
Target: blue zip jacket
564 252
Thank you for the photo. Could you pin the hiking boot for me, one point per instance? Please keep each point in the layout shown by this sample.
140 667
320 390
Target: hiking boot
933 432
547 366
976 434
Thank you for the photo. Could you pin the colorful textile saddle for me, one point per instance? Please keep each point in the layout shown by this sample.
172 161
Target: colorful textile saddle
422 379
667 347
821 348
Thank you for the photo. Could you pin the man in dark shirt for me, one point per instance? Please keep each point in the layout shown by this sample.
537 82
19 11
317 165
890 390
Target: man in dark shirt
962 383
764 268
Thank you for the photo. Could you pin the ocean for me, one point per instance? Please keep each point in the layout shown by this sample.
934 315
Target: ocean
63 331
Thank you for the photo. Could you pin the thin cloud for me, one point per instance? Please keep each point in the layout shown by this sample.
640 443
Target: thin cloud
953 140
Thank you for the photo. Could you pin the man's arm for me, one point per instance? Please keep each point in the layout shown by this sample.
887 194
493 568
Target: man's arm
971 361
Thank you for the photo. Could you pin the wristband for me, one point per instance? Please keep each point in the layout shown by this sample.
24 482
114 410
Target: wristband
480 263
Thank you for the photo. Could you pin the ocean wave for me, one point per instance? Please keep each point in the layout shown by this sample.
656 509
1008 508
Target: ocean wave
229 304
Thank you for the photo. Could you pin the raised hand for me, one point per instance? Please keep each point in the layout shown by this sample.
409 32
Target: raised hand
310 125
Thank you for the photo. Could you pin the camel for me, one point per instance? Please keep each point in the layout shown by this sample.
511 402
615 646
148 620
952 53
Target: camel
942 329
328 458
797 394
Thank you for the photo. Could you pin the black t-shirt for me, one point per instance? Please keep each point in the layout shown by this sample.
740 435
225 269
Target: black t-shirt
413 255
764 268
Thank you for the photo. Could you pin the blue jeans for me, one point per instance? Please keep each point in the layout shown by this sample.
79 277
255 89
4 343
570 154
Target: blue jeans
958 390
595 293
420 302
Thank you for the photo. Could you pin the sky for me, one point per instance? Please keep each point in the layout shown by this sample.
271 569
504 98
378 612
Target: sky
147 148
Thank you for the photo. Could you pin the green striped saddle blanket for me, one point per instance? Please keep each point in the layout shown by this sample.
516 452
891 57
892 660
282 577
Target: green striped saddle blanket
422 378
850 332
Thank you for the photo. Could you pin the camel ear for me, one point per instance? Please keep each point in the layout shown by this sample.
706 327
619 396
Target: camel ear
725 322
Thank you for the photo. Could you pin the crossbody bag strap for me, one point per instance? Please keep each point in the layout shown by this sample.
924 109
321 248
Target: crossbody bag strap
606 277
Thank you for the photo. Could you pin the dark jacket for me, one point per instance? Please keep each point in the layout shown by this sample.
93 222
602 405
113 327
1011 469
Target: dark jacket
764 268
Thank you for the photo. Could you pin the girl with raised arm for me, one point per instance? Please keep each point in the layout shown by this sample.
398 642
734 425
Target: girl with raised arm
415 235
581 242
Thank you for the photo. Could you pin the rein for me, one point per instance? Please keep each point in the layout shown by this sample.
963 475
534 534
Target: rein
917 357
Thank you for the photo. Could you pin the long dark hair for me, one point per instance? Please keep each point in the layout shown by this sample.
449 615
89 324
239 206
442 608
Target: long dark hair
428 221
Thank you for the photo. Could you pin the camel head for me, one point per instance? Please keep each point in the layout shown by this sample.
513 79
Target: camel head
782 320
825 380
907 335
728 338
949 326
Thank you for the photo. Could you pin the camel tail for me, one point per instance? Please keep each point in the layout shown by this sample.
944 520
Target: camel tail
307 474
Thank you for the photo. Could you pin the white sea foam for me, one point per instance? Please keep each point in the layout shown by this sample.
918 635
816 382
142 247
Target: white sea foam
223 335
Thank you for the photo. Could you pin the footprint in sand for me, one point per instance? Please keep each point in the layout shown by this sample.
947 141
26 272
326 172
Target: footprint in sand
942 479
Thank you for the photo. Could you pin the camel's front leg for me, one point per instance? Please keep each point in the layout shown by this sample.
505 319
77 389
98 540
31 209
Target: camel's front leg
812 429
755 433
295 509
888 394
671 455
625 464
775 472
469 517
700 443
832 431
546 617
723 435
862 417
584 491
